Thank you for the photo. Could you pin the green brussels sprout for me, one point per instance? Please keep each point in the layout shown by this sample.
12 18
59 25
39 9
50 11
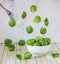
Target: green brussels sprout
11 48
38 38
42 42
37 19
19 56
12 23
48 40
27 55
33 8
46 22
55 55
36 44
29 29
24 14
31 42
7 42
21 43
43 30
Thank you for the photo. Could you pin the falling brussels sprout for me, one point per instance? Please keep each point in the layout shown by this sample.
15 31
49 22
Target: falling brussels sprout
33 8
21 43
27 55
7 42
12 23
37 19
29 29
11 47
46 22
31 42
19 56
43 30
24 14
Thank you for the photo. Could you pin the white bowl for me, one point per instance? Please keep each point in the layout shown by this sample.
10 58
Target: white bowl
38 50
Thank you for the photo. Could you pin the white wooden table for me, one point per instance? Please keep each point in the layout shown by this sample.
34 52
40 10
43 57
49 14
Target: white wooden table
7 57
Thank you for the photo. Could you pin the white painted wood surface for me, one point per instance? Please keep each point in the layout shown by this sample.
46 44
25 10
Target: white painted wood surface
7 57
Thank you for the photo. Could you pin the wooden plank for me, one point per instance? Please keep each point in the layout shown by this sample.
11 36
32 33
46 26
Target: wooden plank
11 57
54 47
1 52
4 57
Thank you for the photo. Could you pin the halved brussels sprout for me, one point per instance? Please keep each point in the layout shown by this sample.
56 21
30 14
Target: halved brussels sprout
29 29
37 19
12 23
33 8
43 30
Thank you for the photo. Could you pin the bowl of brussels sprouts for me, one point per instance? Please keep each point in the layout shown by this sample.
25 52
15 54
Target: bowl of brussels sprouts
39 45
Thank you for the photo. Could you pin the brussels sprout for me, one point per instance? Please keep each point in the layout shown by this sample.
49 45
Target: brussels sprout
11 48
33 8
27 55
42 42
19 56
31 42
46 22
38 38
43 30
48 40
7 42
29 29
36 44
55 55
24 14
12 23
21 43
37 19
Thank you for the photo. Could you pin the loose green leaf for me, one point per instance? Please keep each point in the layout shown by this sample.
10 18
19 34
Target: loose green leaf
37 19
24 14
29 29
46 22
33 8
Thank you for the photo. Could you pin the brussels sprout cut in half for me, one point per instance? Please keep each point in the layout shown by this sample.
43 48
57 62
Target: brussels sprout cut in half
11 48
20 56
55 55
21 43
29 29
12 23
7 42
27 55
24 14
37 19
46 22
43 30
33 8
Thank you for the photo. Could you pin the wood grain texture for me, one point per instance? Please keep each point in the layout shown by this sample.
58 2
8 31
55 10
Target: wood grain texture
7 57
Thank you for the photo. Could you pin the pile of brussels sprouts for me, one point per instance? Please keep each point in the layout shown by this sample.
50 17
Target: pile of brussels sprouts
39 41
